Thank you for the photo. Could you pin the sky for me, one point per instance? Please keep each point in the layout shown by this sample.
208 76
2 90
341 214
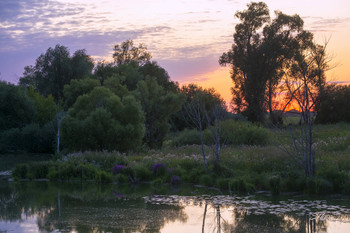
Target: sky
186 37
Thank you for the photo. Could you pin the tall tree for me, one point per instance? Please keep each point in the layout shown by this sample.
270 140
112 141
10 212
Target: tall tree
259 56
158 106
56 68
16 109
82 64
106 121
305 78
126 53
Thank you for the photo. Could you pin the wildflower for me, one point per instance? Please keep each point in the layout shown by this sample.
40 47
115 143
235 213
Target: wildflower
118 168
157 168
175 180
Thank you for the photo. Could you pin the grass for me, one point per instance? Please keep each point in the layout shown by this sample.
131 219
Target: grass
242 168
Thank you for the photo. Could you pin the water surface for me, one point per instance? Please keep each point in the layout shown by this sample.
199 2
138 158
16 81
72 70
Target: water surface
78 207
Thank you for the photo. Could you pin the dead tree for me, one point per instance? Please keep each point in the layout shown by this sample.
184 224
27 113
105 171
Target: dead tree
196 113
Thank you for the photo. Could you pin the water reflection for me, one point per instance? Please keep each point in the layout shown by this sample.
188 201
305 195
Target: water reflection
69 207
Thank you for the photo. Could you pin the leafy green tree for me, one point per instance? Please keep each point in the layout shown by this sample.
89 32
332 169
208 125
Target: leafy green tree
16 109
209 100
333 104
163 79
45 107
126 53
82 64
101 120
104 70
115 84
56 68
76 88
259 56
158 107
130 75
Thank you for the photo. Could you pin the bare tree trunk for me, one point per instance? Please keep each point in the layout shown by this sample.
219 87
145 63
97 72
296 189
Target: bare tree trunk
204 215
203 150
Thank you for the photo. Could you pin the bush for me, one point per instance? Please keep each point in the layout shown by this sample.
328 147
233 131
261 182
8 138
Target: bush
32 138
206 180
142 173
275 184
317 185
187 137
241 185
10 140
38 170
244 133
20 171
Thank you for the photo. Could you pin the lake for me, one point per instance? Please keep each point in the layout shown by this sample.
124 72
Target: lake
88 207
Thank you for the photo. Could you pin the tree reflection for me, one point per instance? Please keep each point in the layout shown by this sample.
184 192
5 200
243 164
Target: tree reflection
280 223
88 209
67 207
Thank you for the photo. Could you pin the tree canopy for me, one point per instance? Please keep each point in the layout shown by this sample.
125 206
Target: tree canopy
56 68
260 55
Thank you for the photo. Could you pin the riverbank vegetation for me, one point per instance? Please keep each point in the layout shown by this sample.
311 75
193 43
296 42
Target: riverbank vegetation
126 121
242 168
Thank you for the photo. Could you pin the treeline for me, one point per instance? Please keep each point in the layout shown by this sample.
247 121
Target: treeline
67 102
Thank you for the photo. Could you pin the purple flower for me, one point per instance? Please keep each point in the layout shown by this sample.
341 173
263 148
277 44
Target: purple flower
157 168
118 168
175 180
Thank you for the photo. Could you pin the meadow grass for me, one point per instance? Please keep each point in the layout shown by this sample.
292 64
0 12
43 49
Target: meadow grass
242 168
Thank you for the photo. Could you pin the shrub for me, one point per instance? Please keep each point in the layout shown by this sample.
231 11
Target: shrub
159 169
103 177
20 171
206 180
275 184
244 132
241 185
142 173
38 170
187 137
317 185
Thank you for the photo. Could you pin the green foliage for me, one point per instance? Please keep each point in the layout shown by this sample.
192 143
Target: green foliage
333 104
56 68
38 139
206 101
158 106
20 171
45 107
10 140
317 185
260 56
32 138
187 137
115 84
77 88
243 132
275 184
126 53
337 178
241 184
106 121
206 180
152 69
16 110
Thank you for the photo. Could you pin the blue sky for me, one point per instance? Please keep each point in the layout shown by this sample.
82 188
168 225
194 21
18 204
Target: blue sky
185 37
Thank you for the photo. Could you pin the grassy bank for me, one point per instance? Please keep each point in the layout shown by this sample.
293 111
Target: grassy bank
242 168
